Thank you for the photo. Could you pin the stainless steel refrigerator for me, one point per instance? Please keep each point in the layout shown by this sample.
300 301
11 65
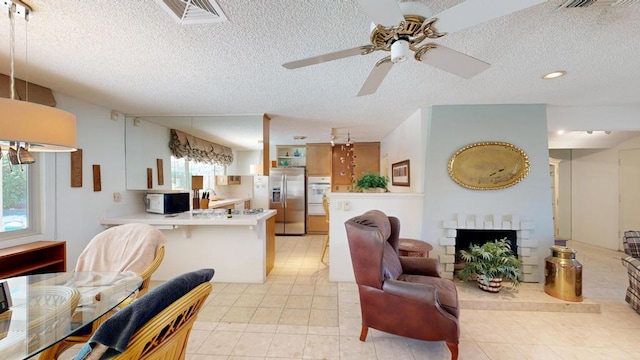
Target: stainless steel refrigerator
288 197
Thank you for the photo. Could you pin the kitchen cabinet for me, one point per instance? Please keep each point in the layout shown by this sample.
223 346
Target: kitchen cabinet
291 156
317 224
319 159
228 180
367 159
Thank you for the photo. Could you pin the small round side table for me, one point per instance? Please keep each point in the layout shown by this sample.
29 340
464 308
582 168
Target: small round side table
412 247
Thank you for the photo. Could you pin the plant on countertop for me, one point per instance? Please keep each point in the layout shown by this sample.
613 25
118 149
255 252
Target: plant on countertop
371 180
491 261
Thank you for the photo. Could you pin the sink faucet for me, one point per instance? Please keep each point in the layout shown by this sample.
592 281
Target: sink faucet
212 191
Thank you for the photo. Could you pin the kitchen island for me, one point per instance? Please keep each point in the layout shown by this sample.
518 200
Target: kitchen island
240 249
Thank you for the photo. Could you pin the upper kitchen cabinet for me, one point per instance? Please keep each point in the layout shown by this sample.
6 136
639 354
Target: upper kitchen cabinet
319 159
291 155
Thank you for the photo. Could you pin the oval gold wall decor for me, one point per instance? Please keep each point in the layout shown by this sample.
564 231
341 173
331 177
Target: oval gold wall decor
488 165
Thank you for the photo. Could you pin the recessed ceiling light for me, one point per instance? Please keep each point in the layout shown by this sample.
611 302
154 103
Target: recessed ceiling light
560 132
554 75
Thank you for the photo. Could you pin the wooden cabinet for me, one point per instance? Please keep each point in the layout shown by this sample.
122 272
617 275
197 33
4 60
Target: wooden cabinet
367 159
317 224
33 258
319 159
291 155
228 180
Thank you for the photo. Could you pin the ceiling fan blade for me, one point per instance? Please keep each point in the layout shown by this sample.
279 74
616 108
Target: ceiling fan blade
377 74
453 62
474 12
360 50
383 12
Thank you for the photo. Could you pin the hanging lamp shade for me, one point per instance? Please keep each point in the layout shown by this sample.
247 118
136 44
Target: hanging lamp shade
44 128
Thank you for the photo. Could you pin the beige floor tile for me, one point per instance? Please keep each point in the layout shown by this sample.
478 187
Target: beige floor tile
292 329
212 313
392 348
274 301
249 300
280 289
266 316
295 317
325 302
253 344
319 317
224 299
219 343
257 289
322 347
326 290
303 289
299 302
500 351
239 315
353 349
537 352
290 346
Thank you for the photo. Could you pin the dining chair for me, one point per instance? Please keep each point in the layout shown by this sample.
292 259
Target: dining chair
49 310
325 206
131 247
155 326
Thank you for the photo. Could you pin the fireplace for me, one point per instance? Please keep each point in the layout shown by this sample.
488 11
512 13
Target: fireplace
466 237
489 227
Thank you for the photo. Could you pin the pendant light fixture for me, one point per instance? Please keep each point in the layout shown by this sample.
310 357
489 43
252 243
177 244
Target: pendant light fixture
26 126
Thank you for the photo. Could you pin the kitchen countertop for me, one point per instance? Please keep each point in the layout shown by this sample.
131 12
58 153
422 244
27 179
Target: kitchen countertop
188 218
224 202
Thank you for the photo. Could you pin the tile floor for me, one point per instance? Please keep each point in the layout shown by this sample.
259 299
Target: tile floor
299 314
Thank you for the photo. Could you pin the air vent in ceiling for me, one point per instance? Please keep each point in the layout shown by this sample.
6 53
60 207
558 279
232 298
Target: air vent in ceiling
596 3
193 11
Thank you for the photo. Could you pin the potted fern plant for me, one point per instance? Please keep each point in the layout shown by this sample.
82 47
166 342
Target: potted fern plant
491 263
372 182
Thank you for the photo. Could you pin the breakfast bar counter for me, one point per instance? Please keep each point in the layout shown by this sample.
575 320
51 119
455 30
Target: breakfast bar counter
240 248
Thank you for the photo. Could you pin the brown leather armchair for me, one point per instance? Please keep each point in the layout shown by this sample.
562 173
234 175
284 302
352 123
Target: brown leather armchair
400 295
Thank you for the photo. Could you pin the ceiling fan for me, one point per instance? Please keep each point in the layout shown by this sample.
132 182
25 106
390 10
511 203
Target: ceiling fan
405 28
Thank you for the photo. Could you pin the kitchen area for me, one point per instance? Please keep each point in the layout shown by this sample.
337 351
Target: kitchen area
212 211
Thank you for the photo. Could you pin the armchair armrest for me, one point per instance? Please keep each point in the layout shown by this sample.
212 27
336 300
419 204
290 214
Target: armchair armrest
631 263
416 291
419 266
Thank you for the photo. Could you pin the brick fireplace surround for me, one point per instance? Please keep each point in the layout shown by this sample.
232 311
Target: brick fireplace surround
527 247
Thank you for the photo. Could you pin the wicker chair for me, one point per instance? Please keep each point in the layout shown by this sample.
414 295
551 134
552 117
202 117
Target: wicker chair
146 234
50 309
158 323
165 336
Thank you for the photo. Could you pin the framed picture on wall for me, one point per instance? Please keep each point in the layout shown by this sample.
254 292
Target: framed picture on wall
400 174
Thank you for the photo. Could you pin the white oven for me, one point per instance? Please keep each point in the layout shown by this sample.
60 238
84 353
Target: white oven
316 187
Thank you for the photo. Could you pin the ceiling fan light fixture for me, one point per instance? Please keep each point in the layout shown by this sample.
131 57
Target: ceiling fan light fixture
400 51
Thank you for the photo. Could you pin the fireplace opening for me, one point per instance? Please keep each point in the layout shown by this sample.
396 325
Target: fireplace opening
466 237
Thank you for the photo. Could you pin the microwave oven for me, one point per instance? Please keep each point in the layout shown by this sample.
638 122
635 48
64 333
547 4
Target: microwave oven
168 203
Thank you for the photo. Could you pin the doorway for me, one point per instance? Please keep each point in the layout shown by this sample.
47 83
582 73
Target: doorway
629 199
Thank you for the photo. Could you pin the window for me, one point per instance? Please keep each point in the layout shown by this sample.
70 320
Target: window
182 170
17 184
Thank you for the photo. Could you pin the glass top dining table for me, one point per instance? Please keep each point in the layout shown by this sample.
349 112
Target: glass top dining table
47 308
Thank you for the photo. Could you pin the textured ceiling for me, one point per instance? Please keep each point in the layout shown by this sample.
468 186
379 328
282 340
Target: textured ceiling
131 56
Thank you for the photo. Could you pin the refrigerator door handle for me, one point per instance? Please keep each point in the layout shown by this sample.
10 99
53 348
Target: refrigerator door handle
284 191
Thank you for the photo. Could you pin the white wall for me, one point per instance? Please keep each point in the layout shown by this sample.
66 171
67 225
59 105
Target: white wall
145 142
453 127
78 210
563 191
405 143
595 192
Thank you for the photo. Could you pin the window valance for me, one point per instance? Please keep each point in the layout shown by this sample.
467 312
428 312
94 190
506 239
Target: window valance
187 146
